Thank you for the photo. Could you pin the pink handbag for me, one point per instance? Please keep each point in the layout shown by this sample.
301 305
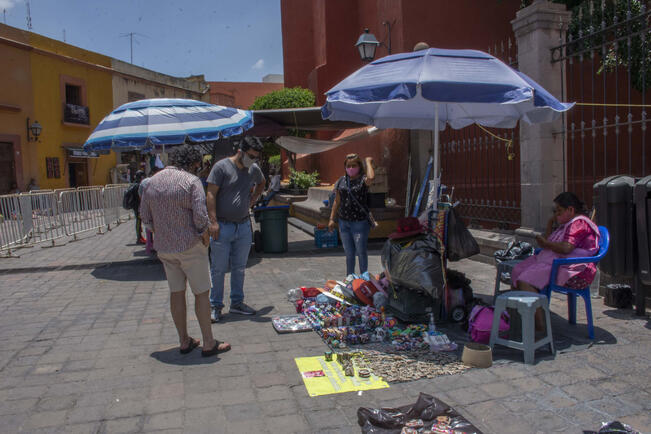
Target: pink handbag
481 321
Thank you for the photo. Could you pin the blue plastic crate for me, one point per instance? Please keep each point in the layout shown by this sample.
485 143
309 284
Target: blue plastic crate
324 239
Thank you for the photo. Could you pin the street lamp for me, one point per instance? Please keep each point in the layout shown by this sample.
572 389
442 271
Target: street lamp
33 131
367 43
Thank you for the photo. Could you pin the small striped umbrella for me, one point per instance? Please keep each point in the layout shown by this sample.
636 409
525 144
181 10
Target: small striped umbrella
158 122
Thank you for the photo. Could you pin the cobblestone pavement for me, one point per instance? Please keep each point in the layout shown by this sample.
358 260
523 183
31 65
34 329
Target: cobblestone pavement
87 345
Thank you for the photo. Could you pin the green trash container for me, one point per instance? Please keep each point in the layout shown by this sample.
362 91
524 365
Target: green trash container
272 237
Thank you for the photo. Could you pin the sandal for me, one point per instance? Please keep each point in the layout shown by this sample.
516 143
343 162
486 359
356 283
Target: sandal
193 344
216 349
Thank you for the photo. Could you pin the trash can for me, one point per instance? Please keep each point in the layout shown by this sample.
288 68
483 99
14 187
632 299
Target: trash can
642 194
613 199
272 237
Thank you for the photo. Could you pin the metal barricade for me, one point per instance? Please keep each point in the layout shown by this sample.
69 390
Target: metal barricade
45 224
82 211
117 193
112 198
12 234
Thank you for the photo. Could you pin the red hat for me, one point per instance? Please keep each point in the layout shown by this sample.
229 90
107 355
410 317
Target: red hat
407 226
364 291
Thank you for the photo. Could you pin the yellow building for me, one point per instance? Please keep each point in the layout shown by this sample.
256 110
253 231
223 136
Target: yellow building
72 91
67 91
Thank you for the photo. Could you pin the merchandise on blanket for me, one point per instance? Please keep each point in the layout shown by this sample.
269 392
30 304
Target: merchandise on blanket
615 427
291 323
310 292
294 294
364 291
411 365
480 322
415 265
427 414
438 341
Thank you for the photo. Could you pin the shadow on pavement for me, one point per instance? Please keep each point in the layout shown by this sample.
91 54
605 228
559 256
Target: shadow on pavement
259 317
628 315
568 338
129 272
173 357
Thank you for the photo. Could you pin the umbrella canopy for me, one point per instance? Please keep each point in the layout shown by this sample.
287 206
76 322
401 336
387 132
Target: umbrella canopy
166 121
467 86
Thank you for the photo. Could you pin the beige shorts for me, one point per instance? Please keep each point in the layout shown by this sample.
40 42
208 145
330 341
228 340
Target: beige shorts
189 266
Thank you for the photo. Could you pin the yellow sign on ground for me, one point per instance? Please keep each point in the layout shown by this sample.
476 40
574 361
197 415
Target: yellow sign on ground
325 378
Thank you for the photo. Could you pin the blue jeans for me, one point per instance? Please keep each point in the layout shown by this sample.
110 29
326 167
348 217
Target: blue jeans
231 248
354 237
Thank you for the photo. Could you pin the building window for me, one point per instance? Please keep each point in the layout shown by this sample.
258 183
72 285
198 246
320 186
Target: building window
73 100
52 164
135 96
73 94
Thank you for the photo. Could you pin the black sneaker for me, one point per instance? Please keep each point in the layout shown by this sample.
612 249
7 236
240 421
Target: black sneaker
215 314
242 309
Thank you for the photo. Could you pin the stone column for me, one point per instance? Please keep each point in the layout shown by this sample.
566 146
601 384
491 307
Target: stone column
537 29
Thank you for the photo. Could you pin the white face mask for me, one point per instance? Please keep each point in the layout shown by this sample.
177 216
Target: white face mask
246 160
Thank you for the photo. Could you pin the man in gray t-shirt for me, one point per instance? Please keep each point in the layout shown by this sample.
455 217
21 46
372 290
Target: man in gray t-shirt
234 185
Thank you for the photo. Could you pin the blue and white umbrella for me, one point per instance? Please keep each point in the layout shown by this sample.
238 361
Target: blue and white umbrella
432 88
162 122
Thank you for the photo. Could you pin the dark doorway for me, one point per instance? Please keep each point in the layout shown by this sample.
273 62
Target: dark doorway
78 173
7 167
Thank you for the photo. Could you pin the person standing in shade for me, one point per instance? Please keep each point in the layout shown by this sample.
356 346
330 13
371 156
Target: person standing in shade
140 175
350 207
234 185
174 207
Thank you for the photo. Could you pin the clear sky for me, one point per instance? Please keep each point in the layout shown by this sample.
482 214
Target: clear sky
226 40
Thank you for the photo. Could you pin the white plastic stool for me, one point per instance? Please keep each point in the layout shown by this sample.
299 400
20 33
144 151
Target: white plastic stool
526 303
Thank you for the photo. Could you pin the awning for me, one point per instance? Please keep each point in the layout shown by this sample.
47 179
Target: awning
277 122
79 152
301 145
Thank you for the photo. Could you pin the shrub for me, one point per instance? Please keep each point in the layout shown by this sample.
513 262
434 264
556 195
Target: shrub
302 180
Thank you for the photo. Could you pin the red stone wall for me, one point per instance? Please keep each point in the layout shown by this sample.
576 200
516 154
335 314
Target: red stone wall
239 94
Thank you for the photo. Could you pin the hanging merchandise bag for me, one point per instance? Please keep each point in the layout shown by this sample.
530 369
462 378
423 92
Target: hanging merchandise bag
461 243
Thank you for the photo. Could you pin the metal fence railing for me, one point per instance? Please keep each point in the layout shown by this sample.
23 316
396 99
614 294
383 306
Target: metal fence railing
45 216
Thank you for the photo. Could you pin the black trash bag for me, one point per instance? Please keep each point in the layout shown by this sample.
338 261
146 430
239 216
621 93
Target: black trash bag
426 408
515 250
456 280
415 265
461 243
615 427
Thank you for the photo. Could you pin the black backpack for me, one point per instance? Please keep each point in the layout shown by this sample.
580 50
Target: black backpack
131 199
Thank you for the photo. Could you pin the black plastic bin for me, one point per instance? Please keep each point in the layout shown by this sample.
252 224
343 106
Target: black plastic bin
272 237
613 198
642 194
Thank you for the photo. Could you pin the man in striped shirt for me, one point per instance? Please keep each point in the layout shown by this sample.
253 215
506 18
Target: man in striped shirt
173 206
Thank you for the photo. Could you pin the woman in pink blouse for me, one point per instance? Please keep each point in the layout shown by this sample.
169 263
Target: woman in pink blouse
575 236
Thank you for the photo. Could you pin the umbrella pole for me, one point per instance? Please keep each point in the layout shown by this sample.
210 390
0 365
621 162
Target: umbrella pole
435 146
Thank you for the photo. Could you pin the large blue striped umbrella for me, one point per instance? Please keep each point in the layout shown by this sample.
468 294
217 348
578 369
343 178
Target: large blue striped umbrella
159 122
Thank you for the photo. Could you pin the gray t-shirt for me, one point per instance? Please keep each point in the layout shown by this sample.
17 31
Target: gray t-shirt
234 195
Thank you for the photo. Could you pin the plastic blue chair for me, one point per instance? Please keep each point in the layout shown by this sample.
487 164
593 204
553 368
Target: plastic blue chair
604 243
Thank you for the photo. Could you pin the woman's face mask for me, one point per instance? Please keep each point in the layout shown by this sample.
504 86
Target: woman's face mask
352 171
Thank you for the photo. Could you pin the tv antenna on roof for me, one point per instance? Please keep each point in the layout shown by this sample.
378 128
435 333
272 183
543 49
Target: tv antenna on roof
29 16
131 35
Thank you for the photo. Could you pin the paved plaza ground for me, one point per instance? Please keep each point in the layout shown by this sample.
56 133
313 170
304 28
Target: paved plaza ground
87 345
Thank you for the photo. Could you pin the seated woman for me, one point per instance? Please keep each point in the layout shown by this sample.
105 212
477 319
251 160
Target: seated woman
575 236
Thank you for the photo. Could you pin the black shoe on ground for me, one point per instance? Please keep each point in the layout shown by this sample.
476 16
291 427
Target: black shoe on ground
242 309
215 314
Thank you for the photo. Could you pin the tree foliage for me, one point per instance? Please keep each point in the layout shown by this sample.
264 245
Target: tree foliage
295 97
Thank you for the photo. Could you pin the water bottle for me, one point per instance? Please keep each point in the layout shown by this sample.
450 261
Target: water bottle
432 327
594 286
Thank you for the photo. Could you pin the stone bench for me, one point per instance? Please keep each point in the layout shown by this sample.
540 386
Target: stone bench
313 211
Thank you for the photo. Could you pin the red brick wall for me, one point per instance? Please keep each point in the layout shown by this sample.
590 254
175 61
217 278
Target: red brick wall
319 51
239 94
